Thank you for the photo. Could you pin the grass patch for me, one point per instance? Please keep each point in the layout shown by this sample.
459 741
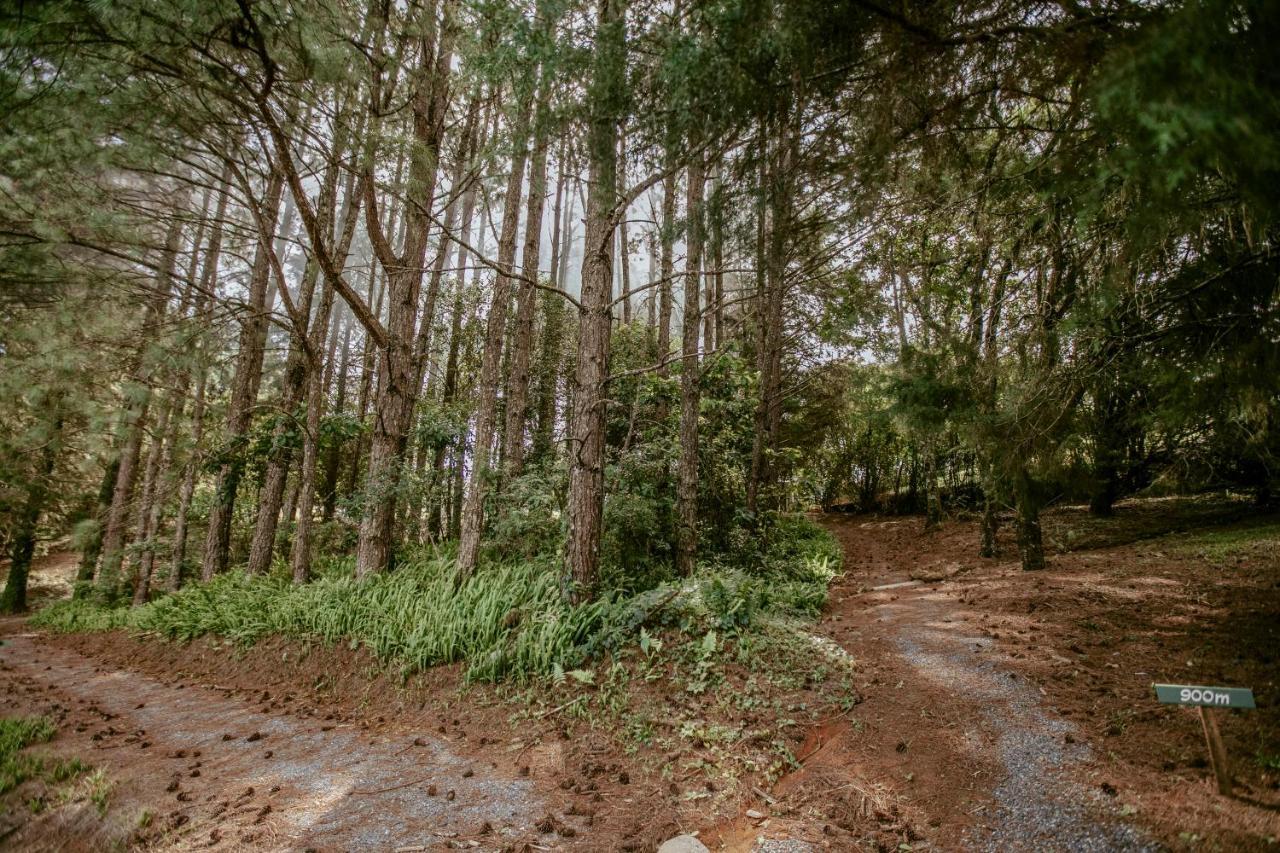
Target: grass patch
1219 546
509 621
17 767
17 733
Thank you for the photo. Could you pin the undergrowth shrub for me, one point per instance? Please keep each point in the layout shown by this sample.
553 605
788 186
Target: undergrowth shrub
509 621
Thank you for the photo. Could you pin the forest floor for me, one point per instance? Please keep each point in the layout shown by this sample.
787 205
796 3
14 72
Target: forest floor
995 710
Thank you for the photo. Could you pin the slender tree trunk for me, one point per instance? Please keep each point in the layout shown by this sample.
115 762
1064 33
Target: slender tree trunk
151 505
624 248
706 282
549 364
304 347
187 490
297 372
988 379
990 529
113 539
690 391
769 407
666 271
553 316
300 557
717 262
333 454
443 520
397 372
932 499
491 359
651 297
517 415
586 449
377 291
93 547
191 468
244 391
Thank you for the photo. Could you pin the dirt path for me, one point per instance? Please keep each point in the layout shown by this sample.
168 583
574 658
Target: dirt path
216 769
952 748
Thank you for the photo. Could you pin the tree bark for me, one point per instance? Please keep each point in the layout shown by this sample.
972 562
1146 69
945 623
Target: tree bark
553 315
208 284
586 449
690 387
244 391
113 538
151 505
517 415
491 358
988 379
624 249
333 454
300 558
716 298
397 372
666 270
769 406
1030 539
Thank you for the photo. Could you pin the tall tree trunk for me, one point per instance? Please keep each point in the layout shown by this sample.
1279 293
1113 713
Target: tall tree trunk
932 497
93 547
517 414
397 372
333 454
651 297
151 505
549 369
988 379
300 363
297 373
716 298
491 358
244 392
624 248
300 558
690 390
586 449
191 468
187 490
769 407
666 270
553 315
113 537
443 521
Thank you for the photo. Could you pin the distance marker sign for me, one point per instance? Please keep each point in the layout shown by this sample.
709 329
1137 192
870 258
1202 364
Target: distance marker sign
1209 697
1207 700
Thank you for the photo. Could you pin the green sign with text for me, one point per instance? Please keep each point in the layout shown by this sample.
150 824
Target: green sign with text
1209 697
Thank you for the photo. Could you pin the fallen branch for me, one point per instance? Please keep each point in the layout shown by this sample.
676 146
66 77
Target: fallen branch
392 788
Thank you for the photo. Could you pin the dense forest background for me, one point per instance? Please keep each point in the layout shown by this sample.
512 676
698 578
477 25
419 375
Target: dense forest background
574 301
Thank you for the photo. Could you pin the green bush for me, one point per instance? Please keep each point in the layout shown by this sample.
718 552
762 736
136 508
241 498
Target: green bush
509 621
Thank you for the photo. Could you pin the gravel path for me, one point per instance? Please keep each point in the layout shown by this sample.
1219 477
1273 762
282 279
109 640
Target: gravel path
293 783
1038 805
